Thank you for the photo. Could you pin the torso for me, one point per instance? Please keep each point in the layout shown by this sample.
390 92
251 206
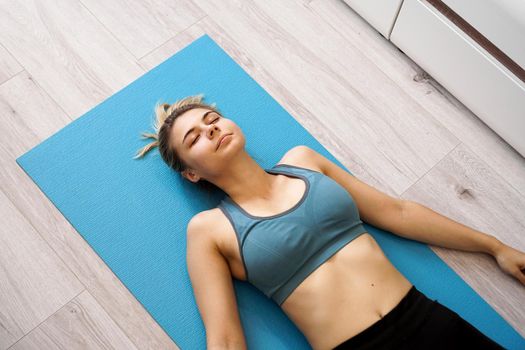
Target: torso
349 292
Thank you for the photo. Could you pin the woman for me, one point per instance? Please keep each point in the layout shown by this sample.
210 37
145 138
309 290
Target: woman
307 248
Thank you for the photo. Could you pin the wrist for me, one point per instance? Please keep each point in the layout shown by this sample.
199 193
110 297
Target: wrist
494 246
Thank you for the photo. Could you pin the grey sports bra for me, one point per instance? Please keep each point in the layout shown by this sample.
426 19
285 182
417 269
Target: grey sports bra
279 251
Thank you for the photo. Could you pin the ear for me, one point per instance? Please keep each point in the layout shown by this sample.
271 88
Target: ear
190 175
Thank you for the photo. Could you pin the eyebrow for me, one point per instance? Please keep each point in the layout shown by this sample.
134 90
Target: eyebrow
189 131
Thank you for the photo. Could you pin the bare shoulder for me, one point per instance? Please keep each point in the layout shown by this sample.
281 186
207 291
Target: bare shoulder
209 224
203 223
205 220
302 156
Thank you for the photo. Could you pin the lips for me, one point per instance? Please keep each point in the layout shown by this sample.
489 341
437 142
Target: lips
220 140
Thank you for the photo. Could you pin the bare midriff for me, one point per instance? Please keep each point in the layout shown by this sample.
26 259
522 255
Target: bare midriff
348 293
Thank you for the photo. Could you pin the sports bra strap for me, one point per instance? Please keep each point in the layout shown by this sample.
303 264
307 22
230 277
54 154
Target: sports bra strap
295 167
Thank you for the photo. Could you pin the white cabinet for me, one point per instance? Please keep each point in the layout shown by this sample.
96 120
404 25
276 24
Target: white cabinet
467 70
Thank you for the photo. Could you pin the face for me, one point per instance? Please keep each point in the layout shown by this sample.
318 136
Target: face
195 135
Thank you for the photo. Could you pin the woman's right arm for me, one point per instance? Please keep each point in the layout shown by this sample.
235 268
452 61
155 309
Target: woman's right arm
212 284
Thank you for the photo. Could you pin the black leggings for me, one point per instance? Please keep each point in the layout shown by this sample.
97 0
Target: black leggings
418 322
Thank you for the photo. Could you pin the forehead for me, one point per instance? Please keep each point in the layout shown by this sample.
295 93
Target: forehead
188 119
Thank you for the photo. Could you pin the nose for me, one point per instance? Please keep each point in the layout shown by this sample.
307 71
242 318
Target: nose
213 129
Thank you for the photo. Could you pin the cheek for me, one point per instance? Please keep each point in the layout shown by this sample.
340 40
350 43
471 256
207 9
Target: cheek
201 151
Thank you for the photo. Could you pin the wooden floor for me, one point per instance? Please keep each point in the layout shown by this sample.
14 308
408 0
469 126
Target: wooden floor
371 106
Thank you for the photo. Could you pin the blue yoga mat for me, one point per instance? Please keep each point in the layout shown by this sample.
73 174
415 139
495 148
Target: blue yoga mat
134 213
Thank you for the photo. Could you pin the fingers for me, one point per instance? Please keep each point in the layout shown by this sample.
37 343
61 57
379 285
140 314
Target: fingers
520 276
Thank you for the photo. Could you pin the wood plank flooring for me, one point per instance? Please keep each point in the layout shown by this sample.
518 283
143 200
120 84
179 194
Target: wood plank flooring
371 106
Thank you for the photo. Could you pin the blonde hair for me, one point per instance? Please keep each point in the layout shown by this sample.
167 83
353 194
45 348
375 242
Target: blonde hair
165 117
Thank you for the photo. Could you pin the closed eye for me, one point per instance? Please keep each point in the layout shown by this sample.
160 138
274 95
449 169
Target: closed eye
199 135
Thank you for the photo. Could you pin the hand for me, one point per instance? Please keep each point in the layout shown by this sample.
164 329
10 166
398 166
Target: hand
511 261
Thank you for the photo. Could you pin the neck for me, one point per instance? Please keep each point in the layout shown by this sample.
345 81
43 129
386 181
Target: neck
245 180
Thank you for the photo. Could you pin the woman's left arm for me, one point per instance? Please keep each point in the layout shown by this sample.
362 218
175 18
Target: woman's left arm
412 220
423 224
